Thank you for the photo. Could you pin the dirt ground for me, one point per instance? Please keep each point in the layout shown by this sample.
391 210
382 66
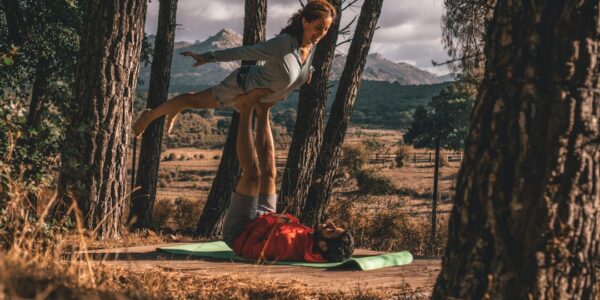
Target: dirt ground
418 276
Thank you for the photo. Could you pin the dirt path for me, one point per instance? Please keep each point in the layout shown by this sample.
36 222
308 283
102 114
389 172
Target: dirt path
421 273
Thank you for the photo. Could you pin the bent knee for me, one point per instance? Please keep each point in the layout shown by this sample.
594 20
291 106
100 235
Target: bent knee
252 175
268 174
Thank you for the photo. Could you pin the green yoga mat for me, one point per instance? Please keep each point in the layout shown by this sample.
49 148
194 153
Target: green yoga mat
220 250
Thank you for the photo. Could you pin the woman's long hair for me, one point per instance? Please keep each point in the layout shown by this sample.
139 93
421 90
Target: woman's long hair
313 10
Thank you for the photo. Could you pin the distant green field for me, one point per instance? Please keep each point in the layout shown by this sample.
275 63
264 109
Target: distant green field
378 104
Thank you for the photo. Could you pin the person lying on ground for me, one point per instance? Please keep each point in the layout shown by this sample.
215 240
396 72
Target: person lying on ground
288 58
251 227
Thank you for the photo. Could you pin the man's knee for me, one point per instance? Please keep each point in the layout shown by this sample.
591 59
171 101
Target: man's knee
268 174
252 175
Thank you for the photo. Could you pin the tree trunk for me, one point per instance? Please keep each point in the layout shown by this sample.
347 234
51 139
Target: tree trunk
93 161
436 195
217 202
335 131
308 130
40 86
525 221
142 200
14 21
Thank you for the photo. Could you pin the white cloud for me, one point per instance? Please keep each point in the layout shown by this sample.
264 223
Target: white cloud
217 11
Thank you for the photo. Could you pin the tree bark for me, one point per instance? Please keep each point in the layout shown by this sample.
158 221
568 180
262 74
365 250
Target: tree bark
335 131
14 21
308 130
142 200
436 195
93 159
40 87
209 224
525 221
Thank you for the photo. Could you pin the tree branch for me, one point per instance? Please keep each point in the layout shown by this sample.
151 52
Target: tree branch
350 4
451 61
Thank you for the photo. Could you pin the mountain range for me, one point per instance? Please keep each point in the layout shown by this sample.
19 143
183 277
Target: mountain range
377 67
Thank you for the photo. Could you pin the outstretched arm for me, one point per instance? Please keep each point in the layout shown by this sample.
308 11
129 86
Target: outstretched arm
272 49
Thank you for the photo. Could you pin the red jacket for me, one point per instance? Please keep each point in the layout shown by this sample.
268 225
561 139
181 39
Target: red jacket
273 238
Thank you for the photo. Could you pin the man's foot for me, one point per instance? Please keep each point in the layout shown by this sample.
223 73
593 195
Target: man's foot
141 123
170 122
263 108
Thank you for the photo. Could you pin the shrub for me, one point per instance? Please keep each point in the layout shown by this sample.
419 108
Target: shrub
354 158
371 183
161 212
172 156
162 183
402 156
185 213
372 144
444 161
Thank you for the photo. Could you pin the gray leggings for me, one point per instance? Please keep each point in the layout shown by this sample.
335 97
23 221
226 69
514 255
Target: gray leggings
242 211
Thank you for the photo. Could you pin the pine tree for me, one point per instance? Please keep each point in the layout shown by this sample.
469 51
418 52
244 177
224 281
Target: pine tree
525 224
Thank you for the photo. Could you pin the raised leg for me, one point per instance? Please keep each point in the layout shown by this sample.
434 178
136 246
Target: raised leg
265 150
248 184
200 100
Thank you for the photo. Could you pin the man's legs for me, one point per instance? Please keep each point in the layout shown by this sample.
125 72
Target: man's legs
244 200
265 149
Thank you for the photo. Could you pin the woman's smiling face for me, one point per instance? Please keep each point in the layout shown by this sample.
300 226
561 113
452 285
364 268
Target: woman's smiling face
315 30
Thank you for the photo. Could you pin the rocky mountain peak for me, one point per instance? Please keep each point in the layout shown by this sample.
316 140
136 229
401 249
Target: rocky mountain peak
225 38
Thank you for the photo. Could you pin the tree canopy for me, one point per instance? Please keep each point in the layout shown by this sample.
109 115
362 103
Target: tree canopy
445 117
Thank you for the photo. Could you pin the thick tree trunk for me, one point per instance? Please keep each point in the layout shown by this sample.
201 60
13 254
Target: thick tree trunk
14 21
217 202
525 221
142 200
308 131
327 161
436 195
93 169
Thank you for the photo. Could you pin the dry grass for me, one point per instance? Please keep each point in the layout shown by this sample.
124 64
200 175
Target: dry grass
38 261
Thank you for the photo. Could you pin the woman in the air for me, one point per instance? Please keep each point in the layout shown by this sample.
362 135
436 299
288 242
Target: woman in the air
288 58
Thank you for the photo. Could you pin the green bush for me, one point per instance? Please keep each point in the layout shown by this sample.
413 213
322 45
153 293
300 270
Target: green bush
373 184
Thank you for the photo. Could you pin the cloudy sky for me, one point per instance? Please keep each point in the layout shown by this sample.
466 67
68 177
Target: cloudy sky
409 29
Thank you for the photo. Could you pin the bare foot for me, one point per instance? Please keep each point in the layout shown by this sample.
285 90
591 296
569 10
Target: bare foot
170 122
263 108
141 123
